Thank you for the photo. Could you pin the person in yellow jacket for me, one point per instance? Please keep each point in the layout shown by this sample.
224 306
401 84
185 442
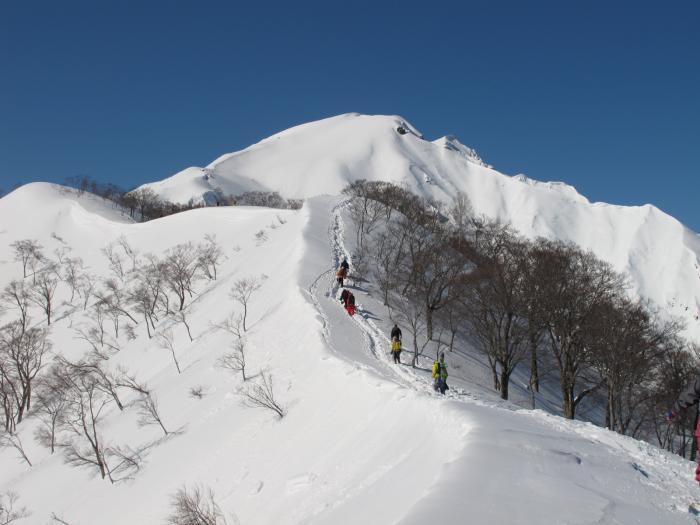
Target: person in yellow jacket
396 349
440 374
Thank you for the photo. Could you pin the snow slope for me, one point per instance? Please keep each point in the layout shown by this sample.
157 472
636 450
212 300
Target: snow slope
363 442
658 252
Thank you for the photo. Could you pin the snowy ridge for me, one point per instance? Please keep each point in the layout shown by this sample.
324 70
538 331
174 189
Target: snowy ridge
364 441
658 253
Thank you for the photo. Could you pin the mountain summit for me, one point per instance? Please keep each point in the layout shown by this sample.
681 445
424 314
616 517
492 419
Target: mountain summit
657 251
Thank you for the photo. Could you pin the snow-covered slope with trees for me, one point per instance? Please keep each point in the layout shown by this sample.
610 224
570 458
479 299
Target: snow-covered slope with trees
659 253
361 441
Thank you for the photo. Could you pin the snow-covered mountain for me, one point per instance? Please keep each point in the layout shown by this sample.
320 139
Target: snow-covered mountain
659 253
363 441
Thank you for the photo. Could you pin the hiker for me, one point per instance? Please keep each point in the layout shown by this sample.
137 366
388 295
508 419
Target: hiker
341 274
396 332
350 302
345 264
689 397
344 296
440 374
396 349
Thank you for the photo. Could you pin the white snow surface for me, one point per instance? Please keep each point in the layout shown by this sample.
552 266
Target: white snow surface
660 255
364 441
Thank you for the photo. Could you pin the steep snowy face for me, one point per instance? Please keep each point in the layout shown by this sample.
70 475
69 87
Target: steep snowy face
659 253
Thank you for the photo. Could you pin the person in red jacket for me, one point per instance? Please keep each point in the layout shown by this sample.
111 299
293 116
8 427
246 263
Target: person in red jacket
350 303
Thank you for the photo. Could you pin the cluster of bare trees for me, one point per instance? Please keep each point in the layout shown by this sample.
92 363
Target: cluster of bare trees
549 307
144 204
259 393
71 398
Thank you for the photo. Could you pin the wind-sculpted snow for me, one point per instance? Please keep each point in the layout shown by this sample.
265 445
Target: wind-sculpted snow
658 253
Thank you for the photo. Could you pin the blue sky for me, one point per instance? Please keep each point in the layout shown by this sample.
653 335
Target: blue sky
602 95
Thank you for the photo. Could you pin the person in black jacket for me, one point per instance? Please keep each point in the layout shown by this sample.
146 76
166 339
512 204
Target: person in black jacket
688 398
345 264
396 332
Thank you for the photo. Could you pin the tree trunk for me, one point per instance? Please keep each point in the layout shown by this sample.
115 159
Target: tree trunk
534 371
505 380
568 406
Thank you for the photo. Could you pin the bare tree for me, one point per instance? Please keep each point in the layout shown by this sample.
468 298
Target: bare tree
195 506
210 255
495 305
148 412
167 342
28 253
106 380
235 361
571 283
242 291
72 272
9 512
86 285
50 410
17 296
181 271
101 344
143 302
410 312
233 324
81 441
181 317
130 252
13 441
148 292
462 212
114 302
22 355
147 202
116 261
44 290
262 395
126 380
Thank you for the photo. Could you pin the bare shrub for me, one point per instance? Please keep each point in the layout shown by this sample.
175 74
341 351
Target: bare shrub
261 236
9 511
44 289
209 256
242 291
50 409
195 506
262 395
197 392
148 412
28 253
22 353
181 271
116 261
235 361
13 441
167 342
17 296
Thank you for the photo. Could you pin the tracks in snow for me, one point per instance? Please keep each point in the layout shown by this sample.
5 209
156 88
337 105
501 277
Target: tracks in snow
376 343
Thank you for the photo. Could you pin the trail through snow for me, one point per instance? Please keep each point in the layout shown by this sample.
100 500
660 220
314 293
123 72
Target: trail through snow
515 466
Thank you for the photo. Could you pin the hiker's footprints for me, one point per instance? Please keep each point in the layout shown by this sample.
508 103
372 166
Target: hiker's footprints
300 482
